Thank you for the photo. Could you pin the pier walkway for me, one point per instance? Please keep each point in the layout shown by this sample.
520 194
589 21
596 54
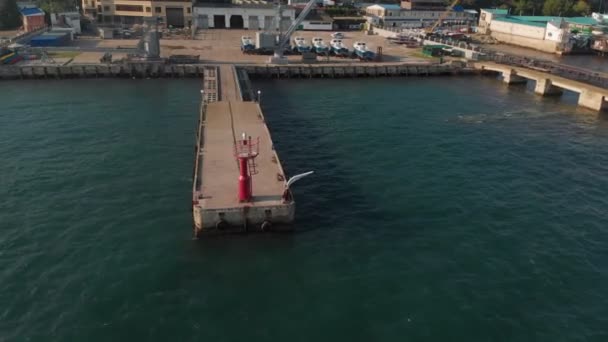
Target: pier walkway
590 96
216 204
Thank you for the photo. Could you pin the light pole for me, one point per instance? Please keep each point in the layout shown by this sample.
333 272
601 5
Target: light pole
259 95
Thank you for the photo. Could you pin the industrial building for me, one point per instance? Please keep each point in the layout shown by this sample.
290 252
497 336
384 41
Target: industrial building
423 5
67 20
348 23
544 33
317 21
128 12
252 15
415 14
33 18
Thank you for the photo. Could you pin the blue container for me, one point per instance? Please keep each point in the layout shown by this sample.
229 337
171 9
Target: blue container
50 39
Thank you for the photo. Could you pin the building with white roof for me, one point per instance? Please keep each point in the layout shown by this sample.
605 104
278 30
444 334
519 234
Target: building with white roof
397 16
245 14
544 33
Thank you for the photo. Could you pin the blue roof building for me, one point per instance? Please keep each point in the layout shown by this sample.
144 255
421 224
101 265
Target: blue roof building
31 11
390 6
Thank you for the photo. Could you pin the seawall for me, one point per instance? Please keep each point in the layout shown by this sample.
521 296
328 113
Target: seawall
156 70
141 70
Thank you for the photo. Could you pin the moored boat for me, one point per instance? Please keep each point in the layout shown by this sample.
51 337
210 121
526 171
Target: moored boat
300 45
319 45
363 52
247 44
338 48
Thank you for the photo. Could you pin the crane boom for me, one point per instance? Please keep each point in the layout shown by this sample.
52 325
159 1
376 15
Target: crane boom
278 52
443 16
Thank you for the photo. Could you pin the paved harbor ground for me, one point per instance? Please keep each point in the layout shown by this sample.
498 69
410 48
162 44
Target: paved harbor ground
223 46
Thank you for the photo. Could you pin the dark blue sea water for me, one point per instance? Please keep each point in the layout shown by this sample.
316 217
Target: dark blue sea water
441 209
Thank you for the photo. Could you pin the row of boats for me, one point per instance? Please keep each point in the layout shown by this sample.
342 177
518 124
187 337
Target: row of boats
336 47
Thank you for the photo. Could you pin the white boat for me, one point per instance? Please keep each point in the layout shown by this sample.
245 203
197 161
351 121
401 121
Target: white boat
338 47
599 17
247 43
319 45
362 51
300 44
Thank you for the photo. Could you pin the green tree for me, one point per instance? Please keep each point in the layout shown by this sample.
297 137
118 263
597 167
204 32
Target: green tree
522 7
557 7
54 6
10 17
581 8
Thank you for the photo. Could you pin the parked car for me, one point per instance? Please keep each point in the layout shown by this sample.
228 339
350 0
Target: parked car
337 35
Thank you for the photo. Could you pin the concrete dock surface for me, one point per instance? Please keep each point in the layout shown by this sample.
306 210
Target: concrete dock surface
219 207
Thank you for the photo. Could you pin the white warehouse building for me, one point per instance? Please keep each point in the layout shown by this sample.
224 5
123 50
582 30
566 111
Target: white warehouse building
396 16
252 16
544 33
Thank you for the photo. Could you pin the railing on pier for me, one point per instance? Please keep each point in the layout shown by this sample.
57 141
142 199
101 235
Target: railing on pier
566 71
208 94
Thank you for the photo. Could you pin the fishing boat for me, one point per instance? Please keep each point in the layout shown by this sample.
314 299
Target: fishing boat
319 45
247 44
301 45
338 48
362 51
402 40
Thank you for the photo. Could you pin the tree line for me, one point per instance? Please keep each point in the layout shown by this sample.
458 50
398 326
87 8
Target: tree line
562 8
10 18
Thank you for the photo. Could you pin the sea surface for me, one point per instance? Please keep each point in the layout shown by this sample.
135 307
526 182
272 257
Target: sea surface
441 209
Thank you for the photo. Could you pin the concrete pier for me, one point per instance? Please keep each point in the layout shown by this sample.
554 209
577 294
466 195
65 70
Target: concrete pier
590 96
510 77
545 87
216 207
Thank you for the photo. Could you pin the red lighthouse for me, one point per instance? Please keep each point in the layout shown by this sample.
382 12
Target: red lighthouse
245 151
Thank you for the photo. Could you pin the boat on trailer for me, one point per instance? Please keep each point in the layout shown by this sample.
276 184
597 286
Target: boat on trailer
338 48
319 45
363 52
247 44
301 45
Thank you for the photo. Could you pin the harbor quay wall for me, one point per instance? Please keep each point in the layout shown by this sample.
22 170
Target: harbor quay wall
137 70
351 71
150 70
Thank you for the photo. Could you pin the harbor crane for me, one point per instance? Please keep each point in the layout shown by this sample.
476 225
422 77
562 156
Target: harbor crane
149 44
442 17
284 38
